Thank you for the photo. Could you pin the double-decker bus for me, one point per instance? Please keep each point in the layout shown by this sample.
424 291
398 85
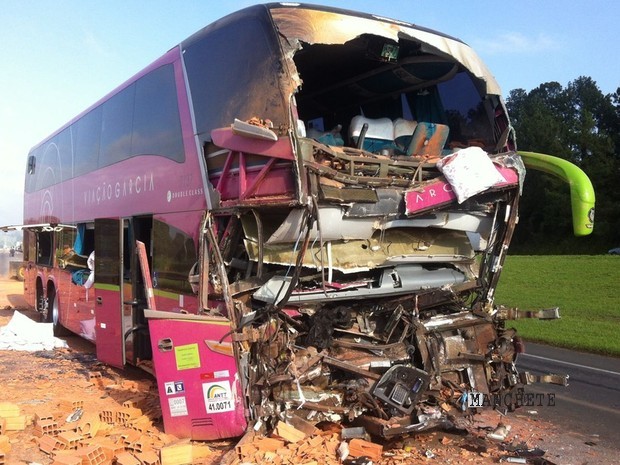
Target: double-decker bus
299 211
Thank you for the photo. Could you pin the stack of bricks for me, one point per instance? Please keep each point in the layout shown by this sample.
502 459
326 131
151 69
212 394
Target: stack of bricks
11 419
73 435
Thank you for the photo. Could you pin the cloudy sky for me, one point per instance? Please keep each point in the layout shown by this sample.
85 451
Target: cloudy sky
60 57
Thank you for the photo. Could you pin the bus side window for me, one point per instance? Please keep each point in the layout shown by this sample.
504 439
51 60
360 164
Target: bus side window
45 248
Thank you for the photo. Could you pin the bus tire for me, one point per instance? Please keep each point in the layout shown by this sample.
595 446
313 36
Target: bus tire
53 313
40 302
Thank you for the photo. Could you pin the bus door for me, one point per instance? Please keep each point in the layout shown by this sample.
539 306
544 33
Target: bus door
109 291
122 332
136 336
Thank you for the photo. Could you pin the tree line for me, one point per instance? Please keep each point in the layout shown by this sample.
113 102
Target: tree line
582 125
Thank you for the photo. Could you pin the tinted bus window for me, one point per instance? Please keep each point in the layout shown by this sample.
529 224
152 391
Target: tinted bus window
232 69
174 254
156 124
142 119
116 127
465 110
63 141
108 246
45 241
53 163
35 180
87 132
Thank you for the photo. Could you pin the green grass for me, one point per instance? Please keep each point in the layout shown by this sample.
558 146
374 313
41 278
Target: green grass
585 287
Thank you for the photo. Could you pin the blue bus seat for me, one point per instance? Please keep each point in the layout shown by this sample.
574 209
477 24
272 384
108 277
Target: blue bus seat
428 139
403 132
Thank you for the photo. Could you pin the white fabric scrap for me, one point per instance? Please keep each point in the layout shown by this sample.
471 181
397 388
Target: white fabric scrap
21 333
469 171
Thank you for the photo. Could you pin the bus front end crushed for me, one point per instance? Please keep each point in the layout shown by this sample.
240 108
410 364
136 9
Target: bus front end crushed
372 306
356 243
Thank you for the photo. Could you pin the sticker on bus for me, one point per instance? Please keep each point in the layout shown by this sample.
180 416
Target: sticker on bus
174 387
187 357
218 397
178 406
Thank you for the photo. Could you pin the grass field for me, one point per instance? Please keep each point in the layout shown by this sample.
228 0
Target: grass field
585 287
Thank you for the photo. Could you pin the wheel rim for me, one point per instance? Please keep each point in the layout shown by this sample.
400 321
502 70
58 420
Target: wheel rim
42 306
55 311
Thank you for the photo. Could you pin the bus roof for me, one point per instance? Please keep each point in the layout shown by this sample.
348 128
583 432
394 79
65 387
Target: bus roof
303 23
311 24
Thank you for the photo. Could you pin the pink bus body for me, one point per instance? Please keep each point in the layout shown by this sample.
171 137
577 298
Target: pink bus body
298 211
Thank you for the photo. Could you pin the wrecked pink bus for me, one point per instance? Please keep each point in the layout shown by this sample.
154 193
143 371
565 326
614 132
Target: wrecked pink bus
299 212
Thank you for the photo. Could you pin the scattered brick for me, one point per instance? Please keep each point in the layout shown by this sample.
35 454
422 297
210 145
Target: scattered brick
5 444
50 444
67 460
70 439
48 426
126 458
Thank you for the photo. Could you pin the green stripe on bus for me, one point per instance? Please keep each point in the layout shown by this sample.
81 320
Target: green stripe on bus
107 287
166 294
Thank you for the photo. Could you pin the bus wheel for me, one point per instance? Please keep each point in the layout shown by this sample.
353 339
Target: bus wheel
41 302
53 313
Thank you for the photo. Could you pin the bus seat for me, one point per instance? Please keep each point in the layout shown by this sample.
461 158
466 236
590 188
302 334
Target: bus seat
403 131
379 133
428 139
332 137
79 277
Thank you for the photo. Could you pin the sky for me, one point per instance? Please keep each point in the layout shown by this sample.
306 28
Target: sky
59 57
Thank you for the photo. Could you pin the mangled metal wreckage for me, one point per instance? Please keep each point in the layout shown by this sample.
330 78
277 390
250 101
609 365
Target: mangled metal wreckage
362 205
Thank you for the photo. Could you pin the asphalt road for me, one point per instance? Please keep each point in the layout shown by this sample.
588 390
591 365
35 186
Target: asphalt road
589 405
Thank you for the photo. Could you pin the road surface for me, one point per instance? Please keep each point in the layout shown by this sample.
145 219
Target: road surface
590 404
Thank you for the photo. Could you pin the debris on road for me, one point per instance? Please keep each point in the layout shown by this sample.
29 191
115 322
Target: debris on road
121 420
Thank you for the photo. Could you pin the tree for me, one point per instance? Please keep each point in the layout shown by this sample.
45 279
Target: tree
580 124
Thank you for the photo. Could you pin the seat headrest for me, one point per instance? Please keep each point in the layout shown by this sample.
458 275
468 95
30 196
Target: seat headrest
379 128
404 127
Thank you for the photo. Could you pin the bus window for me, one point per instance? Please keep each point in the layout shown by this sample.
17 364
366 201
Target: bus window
156 123
174 255
466 112
116 127
64 244
87 132
45 241
231 72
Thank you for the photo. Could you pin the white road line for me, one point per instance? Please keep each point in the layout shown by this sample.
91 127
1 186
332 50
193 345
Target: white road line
602 408
585 367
